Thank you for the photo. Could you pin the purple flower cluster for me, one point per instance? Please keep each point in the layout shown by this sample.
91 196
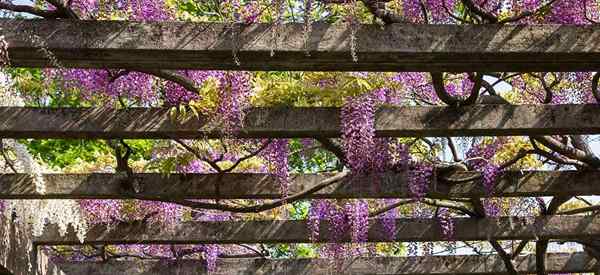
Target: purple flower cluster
491 207
490 174
276 154
160 212
352 219
176 94
149 10
446 223
358 136
479 158
235 93
388 221
319 210
419 176
101 211
359 220
211 253
358 132
248 12
96 82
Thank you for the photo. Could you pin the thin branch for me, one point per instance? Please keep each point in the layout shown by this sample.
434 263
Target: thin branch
549 94
390 207
261 207
377 8
212 164
333 147
593 208
424 12
453 149
48 14
541 246
488 87
506 259
252 154
262 255
519 249
485 16
185 82
595 92
567 151
63 9
587 16
440 90
448 205
584 201
526 13
455 17
559 159
7 160
521 154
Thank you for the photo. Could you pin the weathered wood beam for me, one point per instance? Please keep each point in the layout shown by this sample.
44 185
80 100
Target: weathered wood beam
397 47
478 120
265 186
447 265
296 231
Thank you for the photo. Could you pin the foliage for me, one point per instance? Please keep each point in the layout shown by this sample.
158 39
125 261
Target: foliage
222 97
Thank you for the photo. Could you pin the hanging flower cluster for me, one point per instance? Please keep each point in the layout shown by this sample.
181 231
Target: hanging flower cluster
479 158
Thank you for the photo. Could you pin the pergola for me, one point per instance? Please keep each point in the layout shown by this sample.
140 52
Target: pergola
159 47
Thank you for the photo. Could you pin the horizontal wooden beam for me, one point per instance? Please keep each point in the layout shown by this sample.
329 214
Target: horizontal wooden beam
441 265
397 47
265 186
478 120
296 231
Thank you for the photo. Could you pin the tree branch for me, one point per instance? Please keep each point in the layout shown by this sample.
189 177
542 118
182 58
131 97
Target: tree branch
390 207
63 9
252 154
519 248
595 81
540 256
485 16
332 147
377 8
506 259
580 210
453 150
48 14
261 207
174 77
567 151
527 13
440 90
460 208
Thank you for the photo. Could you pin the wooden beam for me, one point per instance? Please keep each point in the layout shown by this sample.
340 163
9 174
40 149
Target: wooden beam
265 186
296 231
441 265
397 47
478 120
